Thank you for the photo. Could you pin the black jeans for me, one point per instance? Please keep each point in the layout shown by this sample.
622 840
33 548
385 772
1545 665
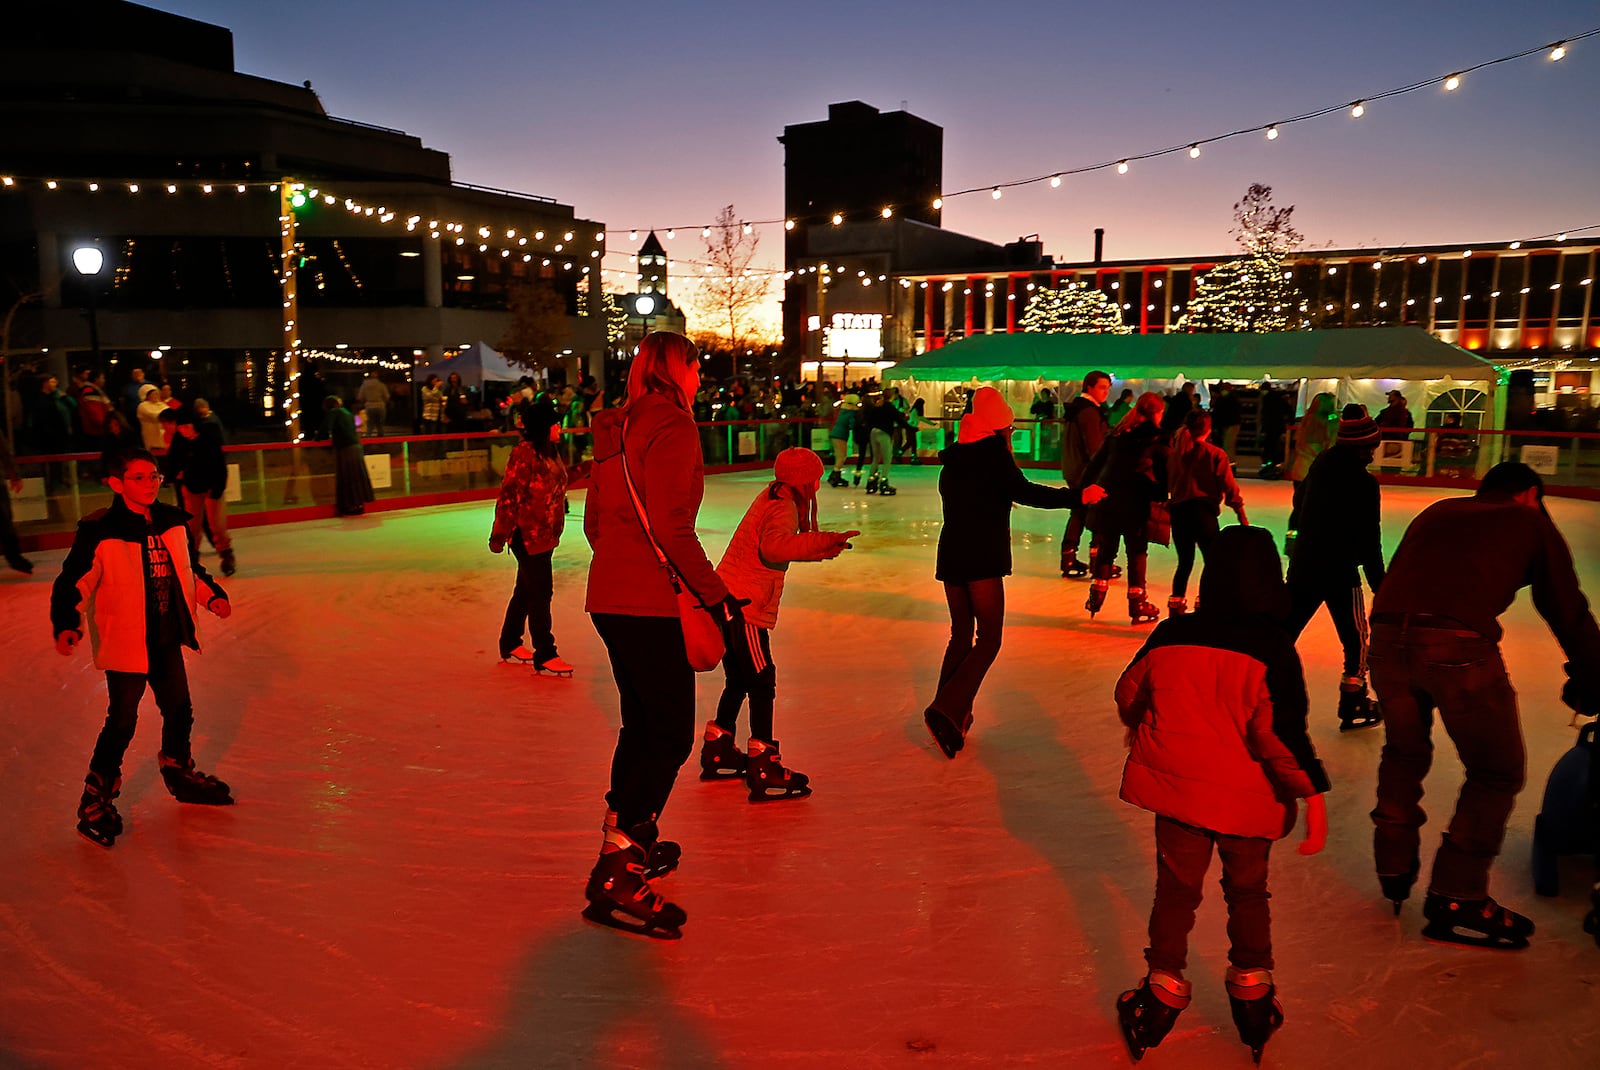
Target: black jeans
1106 544
1309 590
656 686
1194 525
169 680
1415 671
1297 498
1074 533
977 618
10 544
1183 854
748 669
530 604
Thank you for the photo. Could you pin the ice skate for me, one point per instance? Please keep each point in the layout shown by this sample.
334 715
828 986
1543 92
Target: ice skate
837 480
1097 597
720 756
1257 1014
1177 607
1397 886
20 564
1071 567
858 478
885 490
1147 1013
768 779
229 565
520 656
949 736
98 820
620 896
661 857
1357 710
554 665
189 785
1140 609
1474 922
872 484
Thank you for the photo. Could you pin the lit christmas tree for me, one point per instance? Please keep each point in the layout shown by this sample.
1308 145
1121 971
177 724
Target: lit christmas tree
1074 309
1251 294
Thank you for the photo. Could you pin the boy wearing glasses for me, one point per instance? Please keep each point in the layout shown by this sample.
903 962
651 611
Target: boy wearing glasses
132 580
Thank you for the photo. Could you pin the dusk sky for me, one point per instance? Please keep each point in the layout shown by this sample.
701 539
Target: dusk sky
657 115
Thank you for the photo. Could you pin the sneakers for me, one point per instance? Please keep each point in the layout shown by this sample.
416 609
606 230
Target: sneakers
188 785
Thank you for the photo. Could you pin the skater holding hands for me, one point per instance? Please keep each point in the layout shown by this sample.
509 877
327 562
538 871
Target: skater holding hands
529 517
1199 481
1215 711
132 581
978 484
779 528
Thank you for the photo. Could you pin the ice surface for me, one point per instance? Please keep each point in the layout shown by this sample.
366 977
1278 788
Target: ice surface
400 882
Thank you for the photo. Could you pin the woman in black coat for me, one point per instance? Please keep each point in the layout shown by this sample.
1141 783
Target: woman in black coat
978 484
1132 467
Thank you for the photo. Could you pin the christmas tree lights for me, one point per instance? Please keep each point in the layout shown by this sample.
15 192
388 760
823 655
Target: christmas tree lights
1073 309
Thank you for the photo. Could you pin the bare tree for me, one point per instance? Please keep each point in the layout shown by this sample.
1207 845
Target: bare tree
729 294
539 328
1260 227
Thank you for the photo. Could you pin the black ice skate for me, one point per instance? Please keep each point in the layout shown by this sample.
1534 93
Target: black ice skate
21 564
1257 1014
1140 609
1071 567
858 477
661 857
720 756
555 666
620 896
768 779
872 484
1397 886
1097 596
949 736
885 490
1357 710
1475 922
98 820
1177 607
1147 1013
837 480
189 785
229 565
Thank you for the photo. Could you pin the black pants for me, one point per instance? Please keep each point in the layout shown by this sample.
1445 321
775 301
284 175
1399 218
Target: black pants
1416 671
10 544
977 618
656 686
170 682
1194 525
1310 590
1183 854
1297 498
748 670
1074 533
530 604
1106 544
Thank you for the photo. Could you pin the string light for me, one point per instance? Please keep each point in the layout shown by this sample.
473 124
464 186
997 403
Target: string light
938 203
995 193
1122 167
1194 152
1558 50
1452 83
1358 109
1272 133
1055 181
887 213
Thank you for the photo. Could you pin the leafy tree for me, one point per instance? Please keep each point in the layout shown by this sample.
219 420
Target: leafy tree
1074 309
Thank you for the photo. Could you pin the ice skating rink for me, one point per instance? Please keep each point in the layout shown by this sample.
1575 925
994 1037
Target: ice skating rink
399 884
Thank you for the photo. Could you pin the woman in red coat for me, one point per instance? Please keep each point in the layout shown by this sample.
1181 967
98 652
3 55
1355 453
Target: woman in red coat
647 469
1215 711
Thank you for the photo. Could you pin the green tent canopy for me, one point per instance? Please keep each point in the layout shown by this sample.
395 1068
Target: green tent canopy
1406 353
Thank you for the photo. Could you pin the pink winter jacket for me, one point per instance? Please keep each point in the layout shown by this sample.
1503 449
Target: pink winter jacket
767 539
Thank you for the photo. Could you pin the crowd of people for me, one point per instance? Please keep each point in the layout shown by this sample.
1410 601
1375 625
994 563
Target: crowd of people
1214 704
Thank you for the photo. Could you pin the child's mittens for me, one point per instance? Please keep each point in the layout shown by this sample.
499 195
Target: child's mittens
1316 826
220 607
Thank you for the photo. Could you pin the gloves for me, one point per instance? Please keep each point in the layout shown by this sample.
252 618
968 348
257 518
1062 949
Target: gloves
730 612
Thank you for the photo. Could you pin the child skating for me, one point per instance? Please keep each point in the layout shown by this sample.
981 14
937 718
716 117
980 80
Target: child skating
780 527
132 581
529 517
1215 711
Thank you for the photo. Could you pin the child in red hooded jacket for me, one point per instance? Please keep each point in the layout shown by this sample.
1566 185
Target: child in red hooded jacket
1215 711
780 527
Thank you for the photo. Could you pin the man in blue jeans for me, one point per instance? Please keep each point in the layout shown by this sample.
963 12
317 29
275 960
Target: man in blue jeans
1436 645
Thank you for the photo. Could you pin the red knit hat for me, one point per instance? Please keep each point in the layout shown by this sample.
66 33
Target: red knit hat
989 414
799 469
1356 428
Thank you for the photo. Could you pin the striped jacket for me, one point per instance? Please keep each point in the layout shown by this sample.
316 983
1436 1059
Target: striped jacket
101 589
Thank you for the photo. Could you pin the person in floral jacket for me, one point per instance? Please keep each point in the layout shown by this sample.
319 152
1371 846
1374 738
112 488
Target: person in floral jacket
529 517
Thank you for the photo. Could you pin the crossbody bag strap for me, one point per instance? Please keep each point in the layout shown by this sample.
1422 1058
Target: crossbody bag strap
679 584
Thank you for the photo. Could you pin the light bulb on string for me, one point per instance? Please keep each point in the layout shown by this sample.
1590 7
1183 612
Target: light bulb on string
748 228
1122 167
938 203
1272 133
995 193
1558 50
1055 181
1194 152
887 213
671 234
1452 83
837 219
788 224
1358 109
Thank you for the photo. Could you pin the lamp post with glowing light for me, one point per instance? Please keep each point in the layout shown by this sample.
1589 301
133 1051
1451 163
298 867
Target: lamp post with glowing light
89 261
644 306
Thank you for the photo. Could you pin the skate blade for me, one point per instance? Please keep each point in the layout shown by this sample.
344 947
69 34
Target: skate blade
196 800
1461 937
722 772
761 795
1359 724
96 836
565 674
612 918
943 732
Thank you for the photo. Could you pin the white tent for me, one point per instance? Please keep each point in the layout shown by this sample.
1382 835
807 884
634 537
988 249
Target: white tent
476 364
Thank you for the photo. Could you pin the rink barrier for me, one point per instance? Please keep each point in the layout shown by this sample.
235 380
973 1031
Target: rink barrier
281 482
284 482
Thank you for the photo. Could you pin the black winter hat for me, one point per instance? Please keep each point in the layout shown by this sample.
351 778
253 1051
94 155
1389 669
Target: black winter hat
1356 428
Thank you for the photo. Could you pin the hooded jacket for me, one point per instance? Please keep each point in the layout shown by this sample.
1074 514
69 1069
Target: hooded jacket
663 455
1341 520
977 486
758 556
533 498
101 589
1084 433
1217 719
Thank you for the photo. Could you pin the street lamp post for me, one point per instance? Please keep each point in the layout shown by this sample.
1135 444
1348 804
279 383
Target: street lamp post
89 262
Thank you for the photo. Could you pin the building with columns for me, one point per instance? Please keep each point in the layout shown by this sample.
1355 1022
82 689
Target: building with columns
129 130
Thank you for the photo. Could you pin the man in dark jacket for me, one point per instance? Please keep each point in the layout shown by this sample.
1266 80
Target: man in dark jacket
1436 644
1225 419
1341 531
1276 409
196 463
1395 419
1084 429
